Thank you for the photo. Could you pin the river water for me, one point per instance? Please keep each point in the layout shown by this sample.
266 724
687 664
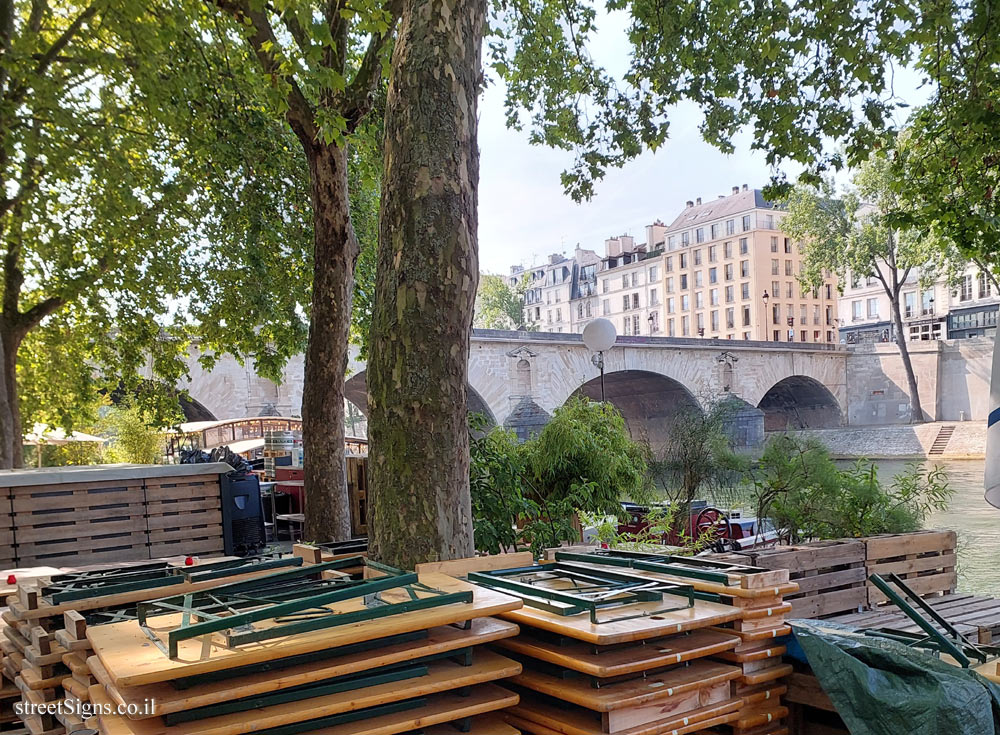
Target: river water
976 521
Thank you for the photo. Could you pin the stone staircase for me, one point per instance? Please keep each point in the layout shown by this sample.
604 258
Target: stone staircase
941 440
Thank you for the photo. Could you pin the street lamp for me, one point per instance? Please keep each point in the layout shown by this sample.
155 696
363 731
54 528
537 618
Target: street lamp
651 321
599 336
764 320
791 329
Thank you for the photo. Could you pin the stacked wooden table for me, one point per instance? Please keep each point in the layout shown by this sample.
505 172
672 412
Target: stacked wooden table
360 664
44 642
640 671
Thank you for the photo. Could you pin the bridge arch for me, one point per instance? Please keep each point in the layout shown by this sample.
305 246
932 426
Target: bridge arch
649 402
800 402
356 391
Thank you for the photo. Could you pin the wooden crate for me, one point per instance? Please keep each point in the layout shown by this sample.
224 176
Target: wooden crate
79 523
830 574
184 515
925 560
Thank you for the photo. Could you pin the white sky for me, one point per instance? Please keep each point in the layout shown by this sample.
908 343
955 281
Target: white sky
524 214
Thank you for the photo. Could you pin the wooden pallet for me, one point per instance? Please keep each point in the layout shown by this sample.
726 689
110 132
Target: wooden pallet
184 515
830 575
924 559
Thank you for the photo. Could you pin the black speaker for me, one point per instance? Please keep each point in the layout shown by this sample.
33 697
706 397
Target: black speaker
242 515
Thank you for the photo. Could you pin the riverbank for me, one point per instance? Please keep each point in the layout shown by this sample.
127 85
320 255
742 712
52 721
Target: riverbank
935 440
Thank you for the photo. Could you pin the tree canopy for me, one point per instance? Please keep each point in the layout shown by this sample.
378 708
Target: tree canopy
498 306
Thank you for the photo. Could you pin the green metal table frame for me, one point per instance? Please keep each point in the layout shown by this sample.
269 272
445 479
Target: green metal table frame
295 601
943 639
708 570
75 586
593 590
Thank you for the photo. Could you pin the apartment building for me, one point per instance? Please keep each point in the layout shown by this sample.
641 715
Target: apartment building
551 288
928 311
721 269
728 272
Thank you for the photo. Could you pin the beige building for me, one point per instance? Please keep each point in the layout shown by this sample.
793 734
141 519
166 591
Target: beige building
722 269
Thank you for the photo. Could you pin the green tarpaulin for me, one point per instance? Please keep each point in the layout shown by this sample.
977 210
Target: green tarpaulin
882 687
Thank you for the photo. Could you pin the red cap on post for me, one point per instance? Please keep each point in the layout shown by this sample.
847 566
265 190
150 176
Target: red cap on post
11 579
189 562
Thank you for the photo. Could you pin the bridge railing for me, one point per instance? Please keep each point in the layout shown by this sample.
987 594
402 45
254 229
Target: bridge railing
640 341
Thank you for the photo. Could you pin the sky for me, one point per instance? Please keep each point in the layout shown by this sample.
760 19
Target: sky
524 215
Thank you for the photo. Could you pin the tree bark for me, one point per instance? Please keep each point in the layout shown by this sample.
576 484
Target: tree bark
916 412
328 513
10 405
7 433
428 271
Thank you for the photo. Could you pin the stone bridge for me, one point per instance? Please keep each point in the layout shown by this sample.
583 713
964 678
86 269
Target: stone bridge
518 379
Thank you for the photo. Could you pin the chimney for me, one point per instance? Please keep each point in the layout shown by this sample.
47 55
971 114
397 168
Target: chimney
736 190
744 187
721 196
690 204
698 200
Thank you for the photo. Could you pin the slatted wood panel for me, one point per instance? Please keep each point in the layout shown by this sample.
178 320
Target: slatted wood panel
79 523
924 559
7 552
184 515
830 574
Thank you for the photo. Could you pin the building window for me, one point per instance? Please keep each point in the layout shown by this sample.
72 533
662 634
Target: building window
579 310
744 246
606 307
829 316
744 268
816 314
699 235
697 257
604 286
685 326
777 335
635 279
653 300
727 249
699 279
625 302
746 316
670 285
730 226
548 315
744 291
730 318
769 221
685 238
775 313
684 261
627 325
713 253
558 315
635 325
729 271
670 264
670 305
829 291
715 231
715 321
685 302
746 222
635 301
746 336
699 299
984 286
927 303
788 291
910 304
788 246
671 242
713 275
873 308
654 322
588 310
966 289
775 289
788 268
775 267
713 297
803 316
670 327
774 243
856 311
684 281
652 273
701 321
729 295
624 280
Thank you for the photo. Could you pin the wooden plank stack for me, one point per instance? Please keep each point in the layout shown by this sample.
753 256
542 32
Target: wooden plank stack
416 669
831 575
925 560
184 515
